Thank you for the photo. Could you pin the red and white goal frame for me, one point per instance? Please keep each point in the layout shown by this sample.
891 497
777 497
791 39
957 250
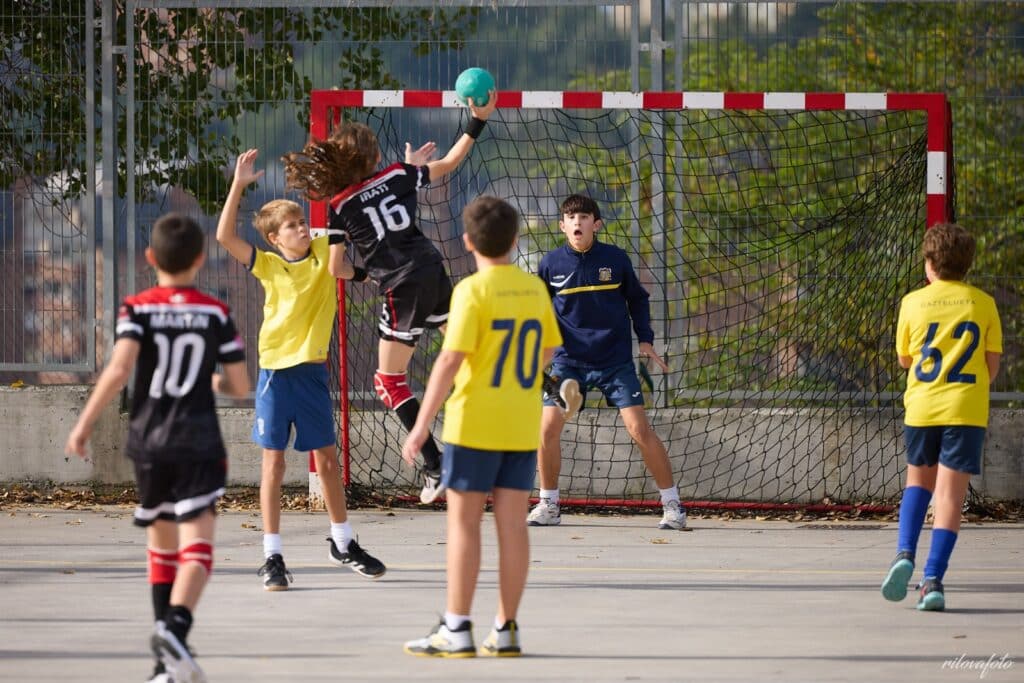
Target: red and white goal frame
326 108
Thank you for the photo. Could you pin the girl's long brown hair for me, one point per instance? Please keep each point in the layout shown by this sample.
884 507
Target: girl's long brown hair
326 167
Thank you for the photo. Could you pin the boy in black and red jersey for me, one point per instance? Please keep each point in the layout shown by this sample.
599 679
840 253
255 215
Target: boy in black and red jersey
173 336
376 212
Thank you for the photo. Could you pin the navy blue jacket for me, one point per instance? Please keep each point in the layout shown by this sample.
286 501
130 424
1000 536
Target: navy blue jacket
595 295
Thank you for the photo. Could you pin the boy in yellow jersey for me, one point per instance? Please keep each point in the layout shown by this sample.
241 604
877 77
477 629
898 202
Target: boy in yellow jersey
300 289
948 336
501 333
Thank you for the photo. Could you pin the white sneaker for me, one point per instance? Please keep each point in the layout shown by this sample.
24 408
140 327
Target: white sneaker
571 397
503 642
674 516
545 513
178 661
443 642
432 488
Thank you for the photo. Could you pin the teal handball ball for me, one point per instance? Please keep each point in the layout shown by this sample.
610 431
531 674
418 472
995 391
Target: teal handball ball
476 83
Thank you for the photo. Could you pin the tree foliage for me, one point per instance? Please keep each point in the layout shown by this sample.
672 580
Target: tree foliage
197 71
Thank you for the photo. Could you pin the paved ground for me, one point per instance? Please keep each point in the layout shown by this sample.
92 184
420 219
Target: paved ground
609 599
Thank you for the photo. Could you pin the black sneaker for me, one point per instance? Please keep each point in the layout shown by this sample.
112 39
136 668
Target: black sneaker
356 559
933 596
275 576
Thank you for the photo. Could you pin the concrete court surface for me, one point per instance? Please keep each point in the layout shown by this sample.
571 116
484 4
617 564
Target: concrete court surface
608 599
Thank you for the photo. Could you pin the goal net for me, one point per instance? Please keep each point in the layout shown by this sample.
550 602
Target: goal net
775 232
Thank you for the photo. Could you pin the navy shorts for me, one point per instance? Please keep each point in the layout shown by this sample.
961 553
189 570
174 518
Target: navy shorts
619 383
177 490
415 304
296 396
474 469
958 448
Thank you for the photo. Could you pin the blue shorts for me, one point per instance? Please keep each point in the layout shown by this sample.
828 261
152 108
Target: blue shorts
296 396
619 383
474 469
958 448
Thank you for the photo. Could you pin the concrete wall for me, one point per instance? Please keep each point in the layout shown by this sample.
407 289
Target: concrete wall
738 454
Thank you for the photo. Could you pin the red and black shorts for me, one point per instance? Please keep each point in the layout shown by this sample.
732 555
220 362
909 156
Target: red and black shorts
415 304
176 490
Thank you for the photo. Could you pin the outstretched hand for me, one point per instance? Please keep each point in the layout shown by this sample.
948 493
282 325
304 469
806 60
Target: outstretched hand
648 351
420 156
245 168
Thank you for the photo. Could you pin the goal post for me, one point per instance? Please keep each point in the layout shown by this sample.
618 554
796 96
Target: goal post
776 232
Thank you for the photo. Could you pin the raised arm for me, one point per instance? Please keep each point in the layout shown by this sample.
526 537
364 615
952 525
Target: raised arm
458 152
227 233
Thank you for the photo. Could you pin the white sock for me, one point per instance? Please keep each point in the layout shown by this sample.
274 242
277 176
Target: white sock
549 494
454 621
669 494
342 534
271 545
498 624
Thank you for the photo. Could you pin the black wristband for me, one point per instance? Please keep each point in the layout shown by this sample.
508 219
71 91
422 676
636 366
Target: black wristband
475 127
359 274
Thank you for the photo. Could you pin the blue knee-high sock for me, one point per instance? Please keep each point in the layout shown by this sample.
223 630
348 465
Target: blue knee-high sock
943 541
913 508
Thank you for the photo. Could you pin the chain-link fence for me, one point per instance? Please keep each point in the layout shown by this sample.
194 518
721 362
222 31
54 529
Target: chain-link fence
120 110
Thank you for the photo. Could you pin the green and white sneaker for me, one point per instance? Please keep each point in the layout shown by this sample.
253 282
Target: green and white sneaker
933 596
444 642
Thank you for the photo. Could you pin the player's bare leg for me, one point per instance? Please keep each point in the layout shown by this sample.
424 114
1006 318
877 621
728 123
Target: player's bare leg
329 473
273 572
271 477
465 509
513 566
514 549
547 512
651 447
656 459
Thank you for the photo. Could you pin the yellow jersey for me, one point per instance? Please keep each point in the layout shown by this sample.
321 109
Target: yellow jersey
947 327
503 320
300 303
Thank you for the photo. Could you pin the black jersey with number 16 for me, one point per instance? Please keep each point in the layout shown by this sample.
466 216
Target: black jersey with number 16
378 216
183 334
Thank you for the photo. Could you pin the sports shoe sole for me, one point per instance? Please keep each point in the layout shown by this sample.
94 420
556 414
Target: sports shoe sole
933 602
180 666
275 589
894 588
508 652
570 393
671 527
443 654
554 522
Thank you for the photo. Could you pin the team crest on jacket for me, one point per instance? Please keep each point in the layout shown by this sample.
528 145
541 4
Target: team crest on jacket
604 274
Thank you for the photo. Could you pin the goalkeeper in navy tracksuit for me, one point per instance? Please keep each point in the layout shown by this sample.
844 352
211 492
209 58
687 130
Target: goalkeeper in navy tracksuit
598 299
